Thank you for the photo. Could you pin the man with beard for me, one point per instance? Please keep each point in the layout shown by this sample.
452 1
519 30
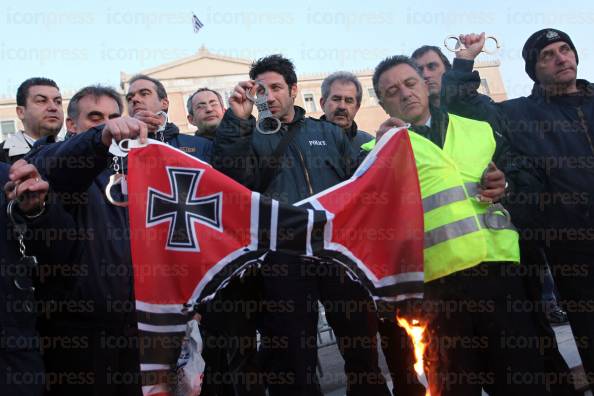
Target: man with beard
39 107
205 111
341 100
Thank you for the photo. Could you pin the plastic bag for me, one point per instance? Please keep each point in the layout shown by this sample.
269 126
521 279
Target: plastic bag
190 365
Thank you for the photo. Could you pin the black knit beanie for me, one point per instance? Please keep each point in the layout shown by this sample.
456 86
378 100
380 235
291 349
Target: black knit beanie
537 42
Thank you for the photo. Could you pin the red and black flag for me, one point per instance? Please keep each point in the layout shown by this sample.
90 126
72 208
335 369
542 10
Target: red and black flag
193 229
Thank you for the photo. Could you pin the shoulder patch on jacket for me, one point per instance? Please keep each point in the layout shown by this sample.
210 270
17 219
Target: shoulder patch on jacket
187 149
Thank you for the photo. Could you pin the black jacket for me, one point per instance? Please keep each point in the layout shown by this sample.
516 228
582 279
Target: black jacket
79 169
356 136
552 169
319 156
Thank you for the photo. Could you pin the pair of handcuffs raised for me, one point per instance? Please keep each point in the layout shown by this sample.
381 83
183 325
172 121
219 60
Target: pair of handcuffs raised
454 44
119 151
264 114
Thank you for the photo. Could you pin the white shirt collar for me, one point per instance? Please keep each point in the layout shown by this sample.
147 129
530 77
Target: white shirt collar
18 143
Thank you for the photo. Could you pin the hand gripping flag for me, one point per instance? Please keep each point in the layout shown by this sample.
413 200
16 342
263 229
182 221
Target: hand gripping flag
193 229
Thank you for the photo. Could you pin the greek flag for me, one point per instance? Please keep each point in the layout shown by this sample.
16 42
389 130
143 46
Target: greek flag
196 24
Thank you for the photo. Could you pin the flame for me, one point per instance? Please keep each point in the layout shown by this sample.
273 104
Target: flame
415 331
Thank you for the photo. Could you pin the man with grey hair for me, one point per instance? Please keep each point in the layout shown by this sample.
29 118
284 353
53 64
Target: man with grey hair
341 100
92 106
205 111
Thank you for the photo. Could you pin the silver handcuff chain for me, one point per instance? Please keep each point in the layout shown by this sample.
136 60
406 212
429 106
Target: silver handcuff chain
459 46
264 113
160 132
20 234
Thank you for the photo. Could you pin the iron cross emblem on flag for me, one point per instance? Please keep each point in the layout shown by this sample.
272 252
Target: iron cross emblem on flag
182 209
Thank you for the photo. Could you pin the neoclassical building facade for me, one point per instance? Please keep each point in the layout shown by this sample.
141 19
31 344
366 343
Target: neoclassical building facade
205 69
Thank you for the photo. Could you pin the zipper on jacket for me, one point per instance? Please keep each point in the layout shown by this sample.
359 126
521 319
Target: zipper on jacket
585 127
307 179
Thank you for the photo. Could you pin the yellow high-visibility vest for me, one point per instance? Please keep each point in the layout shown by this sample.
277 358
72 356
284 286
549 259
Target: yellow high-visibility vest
456 236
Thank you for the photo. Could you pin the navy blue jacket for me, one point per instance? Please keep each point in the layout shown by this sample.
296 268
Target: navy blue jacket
552 166
319 156
19 343
79 170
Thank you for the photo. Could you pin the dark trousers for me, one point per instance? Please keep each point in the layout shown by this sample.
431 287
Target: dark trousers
532 269
21 367
351 313
92 360
228 329
574 276
288 326
480 335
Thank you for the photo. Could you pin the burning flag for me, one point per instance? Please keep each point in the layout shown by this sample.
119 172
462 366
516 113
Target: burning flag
193 229
416 331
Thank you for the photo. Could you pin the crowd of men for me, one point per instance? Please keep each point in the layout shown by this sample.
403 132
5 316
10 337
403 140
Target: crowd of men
68 326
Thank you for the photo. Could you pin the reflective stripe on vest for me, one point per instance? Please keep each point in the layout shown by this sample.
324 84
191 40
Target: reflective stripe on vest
450 231
456 234
453 194
471 145
452 239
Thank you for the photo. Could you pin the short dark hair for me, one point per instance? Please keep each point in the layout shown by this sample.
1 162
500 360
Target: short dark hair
161 92
189 102
276 63
426 48
23 90
389 63
95 91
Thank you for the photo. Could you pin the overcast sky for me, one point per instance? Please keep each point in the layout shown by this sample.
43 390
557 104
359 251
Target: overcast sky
85 42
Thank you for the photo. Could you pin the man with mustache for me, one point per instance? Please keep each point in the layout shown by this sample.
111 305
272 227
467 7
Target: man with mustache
39 107
551 133
341 100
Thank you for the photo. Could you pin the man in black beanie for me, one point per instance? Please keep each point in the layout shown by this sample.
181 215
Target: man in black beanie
550 175
551 60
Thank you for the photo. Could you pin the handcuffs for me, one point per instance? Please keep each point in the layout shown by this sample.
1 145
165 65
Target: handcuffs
457 44
264 114
119 151
496 217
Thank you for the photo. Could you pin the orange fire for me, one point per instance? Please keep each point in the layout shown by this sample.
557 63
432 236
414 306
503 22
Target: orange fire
415 331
